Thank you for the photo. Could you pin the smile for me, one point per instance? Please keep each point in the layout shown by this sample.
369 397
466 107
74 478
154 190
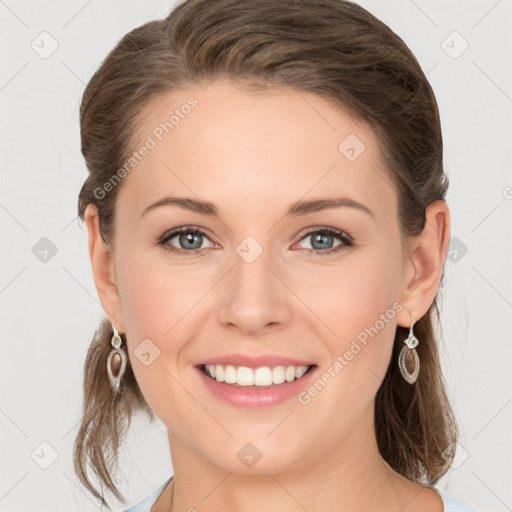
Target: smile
264 376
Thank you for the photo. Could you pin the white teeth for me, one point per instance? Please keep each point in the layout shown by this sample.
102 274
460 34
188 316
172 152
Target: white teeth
230 375
300 371
264 376
289 374
245 376
278 374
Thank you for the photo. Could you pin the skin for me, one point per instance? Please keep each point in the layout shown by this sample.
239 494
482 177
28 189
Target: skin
253 154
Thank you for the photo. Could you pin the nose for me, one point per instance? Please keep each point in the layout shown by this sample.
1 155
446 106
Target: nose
254 299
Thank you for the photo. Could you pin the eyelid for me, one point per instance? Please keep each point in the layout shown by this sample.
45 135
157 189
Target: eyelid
314 229
171 233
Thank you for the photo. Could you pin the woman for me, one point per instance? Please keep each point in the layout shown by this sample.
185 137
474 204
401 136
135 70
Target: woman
267 230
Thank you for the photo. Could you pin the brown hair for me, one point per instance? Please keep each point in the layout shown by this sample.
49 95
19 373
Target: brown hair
332 48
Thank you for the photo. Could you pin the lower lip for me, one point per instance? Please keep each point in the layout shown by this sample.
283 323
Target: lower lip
253 397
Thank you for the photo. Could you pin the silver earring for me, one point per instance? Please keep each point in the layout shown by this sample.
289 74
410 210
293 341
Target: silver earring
408 360
116 362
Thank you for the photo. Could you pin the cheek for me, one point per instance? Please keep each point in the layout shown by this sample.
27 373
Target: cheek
158 296
352 294
359 303
160 302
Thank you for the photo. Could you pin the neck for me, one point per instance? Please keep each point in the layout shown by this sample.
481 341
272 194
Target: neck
351 477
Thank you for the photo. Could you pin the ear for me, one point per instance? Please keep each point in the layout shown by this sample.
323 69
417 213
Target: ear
424 263
103 269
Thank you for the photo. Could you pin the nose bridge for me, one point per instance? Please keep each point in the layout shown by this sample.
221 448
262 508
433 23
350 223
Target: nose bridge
250 272
254 297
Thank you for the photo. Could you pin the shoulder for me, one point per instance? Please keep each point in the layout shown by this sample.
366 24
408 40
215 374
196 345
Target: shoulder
452 504
146 504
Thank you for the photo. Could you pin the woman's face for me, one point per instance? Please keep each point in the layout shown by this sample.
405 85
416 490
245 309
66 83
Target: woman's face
257 281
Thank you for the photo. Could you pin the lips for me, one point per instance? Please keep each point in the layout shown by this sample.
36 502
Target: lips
253 396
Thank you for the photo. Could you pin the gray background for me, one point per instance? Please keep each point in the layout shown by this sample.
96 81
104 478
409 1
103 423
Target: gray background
49 305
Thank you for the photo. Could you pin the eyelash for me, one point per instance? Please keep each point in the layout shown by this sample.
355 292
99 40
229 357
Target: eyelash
346 240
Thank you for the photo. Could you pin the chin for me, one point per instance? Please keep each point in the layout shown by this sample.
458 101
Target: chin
259 456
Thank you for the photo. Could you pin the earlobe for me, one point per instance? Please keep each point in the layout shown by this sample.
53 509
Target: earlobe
103 269
425 262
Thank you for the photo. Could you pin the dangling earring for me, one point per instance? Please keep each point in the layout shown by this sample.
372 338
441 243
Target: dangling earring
116 362
408 360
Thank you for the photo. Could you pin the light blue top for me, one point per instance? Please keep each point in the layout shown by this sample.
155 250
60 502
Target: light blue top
451 504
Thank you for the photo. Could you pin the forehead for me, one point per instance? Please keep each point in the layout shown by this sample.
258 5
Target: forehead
225 143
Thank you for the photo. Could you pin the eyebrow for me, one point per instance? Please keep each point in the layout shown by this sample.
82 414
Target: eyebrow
295 210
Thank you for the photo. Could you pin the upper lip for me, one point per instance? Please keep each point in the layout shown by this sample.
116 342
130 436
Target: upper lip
255 361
